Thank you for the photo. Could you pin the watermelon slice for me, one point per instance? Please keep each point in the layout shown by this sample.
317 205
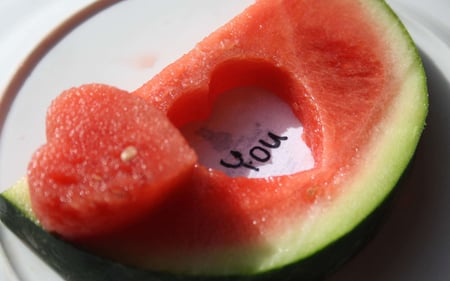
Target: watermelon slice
353 78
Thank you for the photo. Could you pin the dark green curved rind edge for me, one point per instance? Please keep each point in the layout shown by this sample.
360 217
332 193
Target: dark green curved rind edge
74 264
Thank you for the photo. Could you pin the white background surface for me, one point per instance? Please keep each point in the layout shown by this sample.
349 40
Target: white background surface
24 23
30 21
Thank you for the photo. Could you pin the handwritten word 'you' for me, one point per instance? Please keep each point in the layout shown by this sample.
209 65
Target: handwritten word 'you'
259 153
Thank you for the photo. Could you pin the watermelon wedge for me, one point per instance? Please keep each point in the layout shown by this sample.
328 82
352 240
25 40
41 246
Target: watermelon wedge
351 75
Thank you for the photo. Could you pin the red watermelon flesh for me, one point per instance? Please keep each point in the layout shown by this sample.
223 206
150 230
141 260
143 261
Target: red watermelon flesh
332 62
330 69
109 158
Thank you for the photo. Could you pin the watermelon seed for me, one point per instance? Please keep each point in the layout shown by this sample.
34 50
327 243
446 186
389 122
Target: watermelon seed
128 153
96 177
311 191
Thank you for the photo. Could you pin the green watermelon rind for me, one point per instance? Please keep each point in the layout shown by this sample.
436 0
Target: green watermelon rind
74 264
327 240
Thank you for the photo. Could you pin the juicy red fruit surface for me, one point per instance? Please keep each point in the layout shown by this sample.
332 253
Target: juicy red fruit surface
109 159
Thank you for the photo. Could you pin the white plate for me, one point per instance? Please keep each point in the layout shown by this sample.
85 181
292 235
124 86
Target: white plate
140 37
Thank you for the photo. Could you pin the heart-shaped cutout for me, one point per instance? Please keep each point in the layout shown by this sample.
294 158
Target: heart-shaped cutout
106 150
251 132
